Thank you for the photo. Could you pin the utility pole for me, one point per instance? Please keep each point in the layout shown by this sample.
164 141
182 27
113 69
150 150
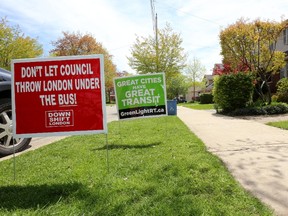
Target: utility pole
155 29
156 41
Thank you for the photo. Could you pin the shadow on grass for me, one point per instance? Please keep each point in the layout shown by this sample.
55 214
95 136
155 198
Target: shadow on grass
36 196
118 146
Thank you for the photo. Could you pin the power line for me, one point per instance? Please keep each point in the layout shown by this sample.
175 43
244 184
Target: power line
189 14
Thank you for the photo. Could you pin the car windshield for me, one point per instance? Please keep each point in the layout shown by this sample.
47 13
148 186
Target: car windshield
5 75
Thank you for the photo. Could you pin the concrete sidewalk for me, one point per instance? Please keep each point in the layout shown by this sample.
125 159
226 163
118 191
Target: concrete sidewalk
255 154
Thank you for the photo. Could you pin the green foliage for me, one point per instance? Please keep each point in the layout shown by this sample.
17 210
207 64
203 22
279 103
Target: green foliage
274 98
233 91
195 72
166 55
15 45
176 86
250 46
273 109
152 166
282 90
206 98
85 44
246 44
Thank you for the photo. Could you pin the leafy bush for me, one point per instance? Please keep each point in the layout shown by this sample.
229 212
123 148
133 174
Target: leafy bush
282 90
276 109
248 111
206 98
233 91
274 98
265 110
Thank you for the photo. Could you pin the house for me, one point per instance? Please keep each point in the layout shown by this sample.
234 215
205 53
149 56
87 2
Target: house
282 45
208 80
194 93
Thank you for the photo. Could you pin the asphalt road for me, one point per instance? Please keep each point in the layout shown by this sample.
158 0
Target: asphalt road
38 142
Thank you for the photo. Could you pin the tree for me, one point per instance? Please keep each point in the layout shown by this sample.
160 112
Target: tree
220 69
195 72
123 74
166 55
15 45
177 86
250 46
78 44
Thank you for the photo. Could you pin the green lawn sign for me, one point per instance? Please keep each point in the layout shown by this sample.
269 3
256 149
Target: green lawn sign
141 96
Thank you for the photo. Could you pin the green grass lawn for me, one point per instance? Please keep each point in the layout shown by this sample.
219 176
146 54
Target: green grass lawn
198 106
280 124
156 167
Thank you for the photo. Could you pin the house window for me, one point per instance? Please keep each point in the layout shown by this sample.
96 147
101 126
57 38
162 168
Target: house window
285 36
272 47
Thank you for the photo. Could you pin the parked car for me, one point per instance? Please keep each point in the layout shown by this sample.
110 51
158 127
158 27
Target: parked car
180 100
8 144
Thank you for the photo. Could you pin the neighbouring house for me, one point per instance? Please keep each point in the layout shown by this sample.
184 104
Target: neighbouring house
191 92
208 80
282 45
218 69
111 95
194 93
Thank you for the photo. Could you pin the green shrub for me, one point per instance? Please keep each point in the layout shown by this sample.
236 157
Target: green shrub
265 110
248 111
274 98
233 91
206 98
282 90
276 109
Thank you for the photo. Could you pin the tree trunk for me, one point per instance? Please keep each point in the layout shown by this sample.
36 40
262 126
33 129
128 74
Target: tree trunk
269 100
194 94
108 96
265 96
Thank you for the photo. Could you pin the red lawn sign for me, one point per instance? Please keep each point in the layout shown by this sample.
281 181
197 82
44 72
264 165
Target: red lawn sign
58 96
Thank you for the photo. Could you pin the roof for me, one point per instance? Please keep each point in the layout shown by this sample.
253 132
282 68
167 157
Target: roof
208 76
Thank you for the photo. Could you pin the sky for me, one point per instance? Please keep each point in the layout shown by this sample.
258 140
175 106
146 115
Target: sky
117 23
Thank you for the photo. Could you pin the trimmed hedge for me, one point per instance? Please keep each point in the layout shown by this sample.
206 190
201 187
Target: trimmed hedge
206 98
233 91
265 110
